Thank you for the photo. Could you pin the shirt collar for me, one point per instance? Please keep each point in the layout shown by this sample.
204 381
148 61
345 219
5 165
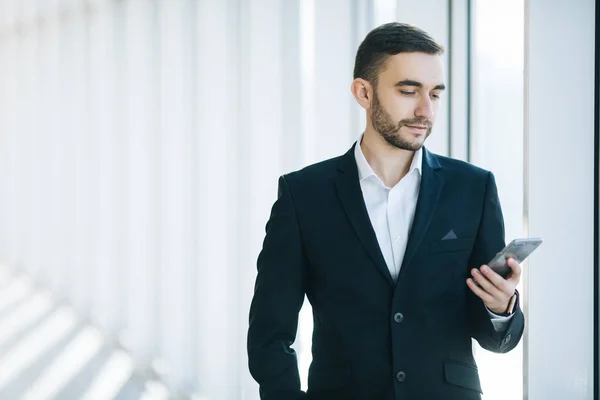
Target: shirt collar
365 171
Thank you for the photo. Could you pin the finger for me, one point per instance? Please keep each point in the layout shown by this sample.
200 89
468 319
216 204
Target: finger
479 292
499 282
516 270
485 283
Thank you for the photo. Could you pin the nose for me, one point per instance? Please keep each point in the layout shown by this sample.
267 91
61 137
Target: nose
424 109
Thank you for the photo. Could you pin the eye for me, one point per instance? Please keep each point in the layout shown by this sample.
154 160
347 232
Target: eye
435 96
407 93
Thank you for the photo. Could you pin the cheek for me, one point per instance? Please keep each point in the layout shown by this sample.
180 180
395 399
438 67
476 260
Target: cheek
402 108
435 109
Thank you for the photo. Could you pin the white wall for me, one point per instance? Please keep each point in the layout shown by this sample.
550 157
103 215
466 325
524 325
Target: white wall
559 189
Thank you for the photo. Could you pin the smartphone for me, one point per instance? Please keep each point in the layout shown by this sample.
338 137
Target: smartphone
518 249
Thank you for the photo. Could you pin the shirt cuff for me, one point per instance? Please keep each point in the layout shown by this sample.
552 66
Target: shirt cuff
499 321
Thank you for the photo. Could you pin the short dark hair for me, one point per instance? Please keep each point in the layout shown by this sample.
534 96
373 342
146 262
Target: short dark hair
388 40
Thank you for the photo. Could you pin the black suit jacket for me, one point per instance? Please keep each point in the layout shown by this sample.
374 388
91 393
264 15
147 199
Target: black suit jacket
375 339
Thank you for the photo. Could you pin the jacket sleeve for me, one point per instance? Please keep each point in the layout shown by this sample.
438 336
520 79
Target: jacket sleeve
278 296
489 241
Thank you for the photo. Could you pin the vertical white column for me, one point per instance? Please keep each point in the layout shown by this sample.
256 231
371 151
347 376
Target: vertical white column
59 147
291 86
70 144
497 145
5 139
49 100
7 132
13 160
559 193
363 20
333 66
120 154
307 78
56 148
26 48
433 17
247 154
79 244
106 172
457 77
176 231
217 114
59 151
32 31
142 161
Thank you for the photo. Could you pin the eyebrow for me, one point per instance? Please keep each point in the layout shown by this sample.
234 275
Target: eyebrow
408 82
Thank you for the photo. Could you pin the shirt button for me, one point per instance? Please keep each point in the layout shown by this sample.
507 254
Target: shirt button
400 376
398 317
398 238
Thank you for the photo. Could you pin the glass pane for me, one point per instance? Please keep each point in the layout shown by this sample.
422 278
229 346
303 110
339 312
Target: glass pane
497 145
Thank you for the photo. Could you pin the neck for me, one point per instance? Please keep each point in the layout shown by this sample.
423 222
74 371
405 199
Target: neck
390 163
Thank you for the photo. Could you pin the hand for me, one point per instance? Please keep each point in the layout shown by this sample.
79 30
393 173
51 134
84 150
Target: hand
493 290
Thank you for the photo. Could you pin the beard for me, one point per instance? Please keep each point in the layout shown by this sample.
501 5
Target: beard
390 130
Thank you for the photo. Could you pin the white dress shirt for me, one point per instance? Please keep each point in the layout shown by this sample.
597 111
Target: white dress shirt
392 211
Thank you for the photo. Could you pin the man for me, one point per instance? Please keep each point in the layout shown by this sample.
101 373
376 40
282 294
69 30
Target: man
387 242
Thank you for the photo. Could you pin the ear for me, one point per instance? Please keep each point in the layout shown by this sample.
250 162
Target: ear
363 92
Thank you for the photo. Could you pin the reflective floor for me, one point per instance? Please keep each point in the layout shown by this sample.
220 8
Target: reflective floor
46 352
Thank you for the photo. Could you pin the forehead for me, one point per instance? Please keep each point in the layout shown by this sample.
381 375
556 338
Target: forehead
425 68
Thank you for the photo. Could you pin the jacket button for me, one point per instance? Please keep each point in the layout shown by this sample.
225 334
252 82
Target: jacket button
398 317
400 376
507 339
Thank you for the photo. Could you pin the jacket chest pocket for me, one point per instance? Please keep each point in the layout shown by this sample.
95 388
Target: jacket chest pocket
439 276
451 245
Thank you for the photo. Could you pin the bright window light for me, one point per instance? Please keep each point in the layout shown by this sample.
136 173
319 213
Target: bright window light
26 314
77 353
17 289
111 378
155 390
35 343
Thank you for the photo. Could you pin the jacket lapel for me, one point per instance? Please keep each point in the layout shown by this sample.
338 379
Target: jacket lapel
429 194
351 198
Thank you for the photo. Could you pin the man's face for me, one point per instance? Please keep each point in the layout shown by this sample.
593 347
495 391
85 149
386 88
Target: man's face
406 99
